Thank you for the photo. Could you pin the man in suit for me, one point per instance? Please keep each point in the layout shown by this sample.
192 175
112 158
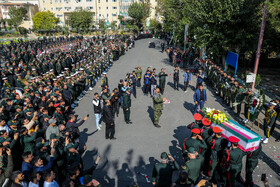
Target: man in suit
200 97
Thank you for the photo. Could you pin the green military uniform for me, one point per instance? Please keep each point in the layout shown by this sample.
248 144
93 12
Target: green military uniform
192 167
162 80
248 101
104 82
234 158
217 145
162 172
59 117
158 107
126 107
195 143
270 117
28 142
233 93
139 76
251 164
239 99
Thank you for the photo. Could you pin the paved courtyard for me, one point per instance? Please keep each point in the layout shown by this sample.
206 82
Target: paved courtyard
139 145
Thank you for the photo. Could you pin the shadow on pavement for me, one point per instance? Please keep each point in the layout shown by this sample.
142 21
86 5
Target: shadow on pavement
84 136
151 113
189 106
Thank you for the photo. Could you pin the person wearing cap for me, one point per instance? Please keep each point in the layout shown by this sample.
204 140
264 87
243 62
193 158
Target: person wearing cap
139 76
52 129
104 80
233 93
200 97
234 156
162 79
193 166
195 141
162 171
248 102
252 161
217 146
239 98
198 123
157 106
187 79
206 131
269 122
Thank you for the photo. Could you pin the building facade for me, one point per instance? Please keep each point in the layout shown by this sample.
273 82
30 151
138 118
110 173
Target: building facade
32 9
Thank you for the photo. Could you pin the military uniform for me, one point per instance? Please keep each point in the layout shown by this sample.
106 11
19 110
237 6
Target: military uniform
239 99
251 164
270 117
234 158
162 80
158 107
162 172
126 107
192 167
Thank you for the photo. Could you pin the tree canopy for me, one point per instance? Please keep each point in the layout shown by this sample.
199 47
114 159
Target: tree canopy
139 12
16 15
81 19
44 20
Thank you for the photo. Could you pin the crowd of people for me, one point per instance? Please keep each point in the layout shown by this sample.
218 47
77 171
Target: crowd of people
42 82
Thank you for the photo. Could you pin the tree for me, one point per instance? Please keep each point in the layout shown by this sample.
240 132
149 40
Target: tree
81 19
102 25
121 19
155 26
113 25
16 16
44 20
274 14
139 12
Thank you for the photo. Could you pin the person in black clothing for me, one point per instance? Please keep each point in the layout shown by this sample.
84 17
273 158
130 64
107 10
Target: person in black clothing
176 78
108 118
133 83
67 95
120 85
182 181
73 127
115 102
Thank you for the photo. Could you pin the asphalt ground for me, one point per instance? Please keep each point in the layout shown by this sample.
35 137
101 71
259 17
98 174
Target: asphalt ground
138 146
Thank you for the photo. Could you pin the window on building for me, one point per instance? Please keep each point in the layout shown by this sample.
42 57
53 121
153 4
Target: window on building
88 0
67 1
59 15
98 1
67 8
90 7
78 8
99 15
106 1
114 7
99 8
58 8
107 8
58 1
107 15
114 1
51 8
50 1
44 8
43 1
114 15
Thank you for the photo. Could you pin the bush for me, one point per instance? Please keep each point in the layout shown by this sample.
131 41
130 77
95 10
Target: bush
22 30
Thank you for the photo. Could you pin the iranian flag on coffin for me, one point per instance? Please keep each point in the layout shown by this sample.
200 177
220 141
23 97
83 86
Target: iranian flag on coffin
249 140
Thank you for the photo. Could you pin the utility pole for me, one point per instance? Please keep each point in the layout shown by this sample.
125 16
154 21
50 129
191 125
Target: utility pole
260 45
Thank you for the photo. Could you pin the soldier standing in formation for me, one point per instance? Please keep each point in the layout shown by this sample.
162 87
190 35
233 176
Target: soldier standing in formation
162 79
269 125
158 106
